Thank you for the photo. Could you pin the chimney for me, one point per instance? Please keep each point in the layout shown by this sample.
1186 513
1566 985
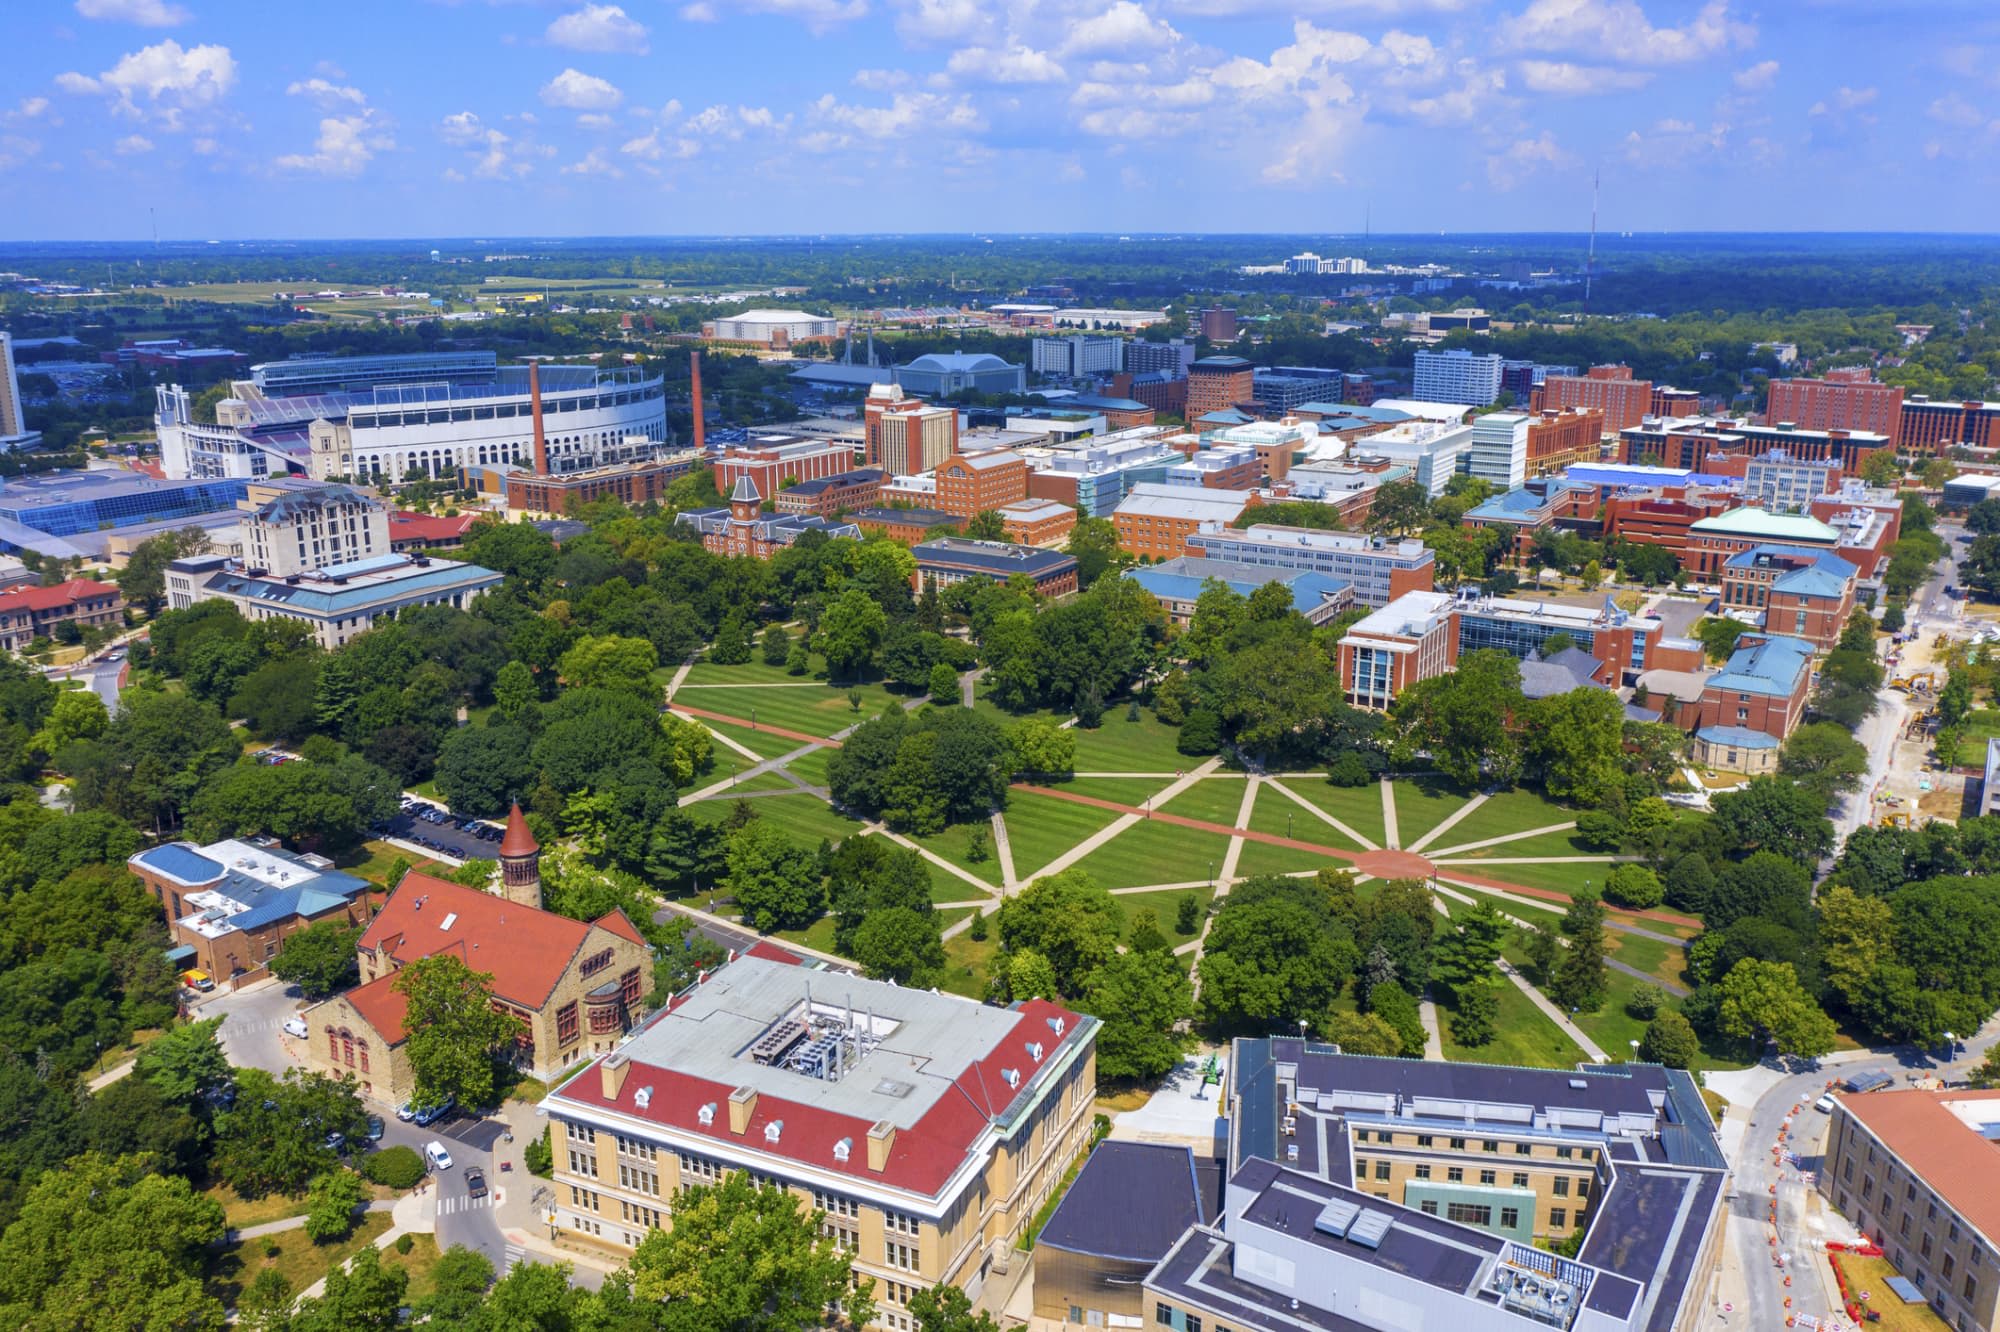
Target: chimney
612 1070
881 1137
742 1105
535 407
694 394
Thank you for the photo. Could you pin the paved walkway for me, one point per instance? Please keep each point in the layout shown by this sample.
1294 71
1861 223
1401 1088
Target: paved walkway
1131 814
1555 1014
1009 881
295 1222
1391 835
411 1214
1449 820
1433 1037
779 731
1458 876
1506 837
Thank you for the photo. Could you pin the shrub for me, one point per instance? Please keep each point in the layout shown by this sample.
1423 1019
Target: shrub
393 1167
1646 1002
405 1242
978 929
1187 913
1350 769
1201 733
1634 886
272 1248
538 1156
330 1204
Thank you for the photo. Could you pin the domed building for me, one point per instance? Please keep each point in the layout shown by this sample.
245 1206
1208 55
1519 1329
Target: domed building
942 374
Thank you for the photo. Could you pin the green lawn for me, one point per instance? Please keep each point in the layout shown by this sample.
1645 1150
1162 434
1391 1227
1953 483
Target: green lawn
1611 1026
764 781
1263 858
1165 907
1541 844
1117 745
1571 879
1040 828
1522 1035
233 1267
725 763
1422 803
1278 814
1666 962
955 842
1359 807
1153 852
764 744
1507 812
818 935
1133 791
968 962
751 672
1212 799
811 765
820 710
806 818
1978 727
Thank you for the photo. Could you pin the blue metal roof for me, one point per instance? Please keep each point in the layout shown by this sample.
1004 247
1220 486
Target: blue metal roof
181 862
1379 415
320 599
1170 583
1772 666
998 558
1740 736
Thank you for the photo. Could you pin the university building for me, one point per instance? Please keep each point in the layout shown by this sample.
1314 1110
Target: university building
230 905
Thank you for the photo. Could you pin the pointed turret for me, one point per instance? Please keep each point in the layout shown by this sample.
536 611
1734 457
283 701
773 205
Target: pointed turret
520 861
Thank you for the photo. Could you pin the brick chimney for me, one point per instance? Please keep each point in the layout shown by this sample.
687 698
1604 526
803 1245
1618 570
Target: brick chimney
535 407
694 391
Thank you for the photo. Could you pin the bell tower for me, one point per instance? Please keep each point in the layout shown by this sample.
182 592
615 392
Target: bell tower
520 862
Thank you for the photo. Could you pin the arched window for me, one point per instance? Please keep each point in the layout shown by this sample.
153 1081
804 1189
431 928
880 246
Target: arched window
333 1045
361 1048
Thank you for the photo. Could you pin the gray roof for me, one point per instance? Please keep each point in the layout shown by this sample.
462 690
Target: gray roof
745 491
1131 1200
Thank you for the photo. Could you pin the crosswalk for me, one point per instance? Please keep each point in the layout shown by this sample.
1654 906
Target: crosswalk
454 1206
511 1257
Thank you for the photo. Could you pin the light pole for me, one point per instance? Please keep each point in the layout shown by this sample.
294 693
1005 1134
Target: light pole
1302 1031
1211 874
1635 1050
1288 827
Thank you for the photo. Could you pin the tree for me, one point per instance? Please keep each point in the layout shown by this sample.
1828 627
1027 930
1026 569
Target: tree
849 632
155 756
514 691
1718 636
1361 1033
330 1203
185 1062
1576 742
320 958
1141 996
944 686
1825 758
452 1033
1069 920
607 661
1274 955
1094 543
361 1295
1040 748
946 1309
520 550
986 525
266 1304
777 645
732 641
1579 981
774 880
1764 1001
900 944
78 714
480 769
747 1257
108 1242
1632 885
272 1139
1670 1040
1465 719
1855 938
143 580
459 1282
1398 1007
1772 815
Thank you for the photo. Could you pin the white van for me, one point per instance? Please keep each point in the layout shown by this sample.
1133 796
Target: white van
1824 1104
435 1156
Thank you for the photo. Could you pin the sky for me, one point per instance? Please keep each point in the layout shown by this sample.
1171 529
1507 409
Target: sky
408 118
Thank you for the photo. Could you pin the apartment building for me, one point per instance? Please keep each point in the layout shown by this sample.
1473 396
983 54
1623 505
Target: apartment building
1916 1171
1157 519
926 1128
1562 439
1076 356
1842 400
972 483
1932 428
1610 389
1216 383
1380 569
1457 376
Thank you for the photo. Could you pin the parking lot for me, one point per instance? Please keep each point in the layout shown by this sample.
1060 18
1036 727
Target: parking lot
434 828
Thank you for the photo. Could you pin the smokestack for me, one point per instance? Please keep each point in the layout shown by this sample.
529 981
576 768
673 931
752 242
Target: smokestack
694 392
535 407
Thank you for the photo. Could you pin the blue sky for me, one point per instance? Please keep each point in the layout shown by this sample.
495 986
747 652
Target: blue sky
235 118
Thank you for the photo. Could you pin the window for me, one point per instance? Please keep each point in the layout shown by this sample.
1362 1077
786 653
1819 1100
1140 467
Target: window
1582 1186
1520 1179
1565 1153
1458 1144
1522 1149
594 964
1454 1174
644 1151
899 1223
1361 1135
1510 1217
638 1180
582 1163
1360 1169
1970 1289
1945 1267
1381 1170
566 1025
1163 1315
1489 1146
1430 1207
701 1169
585 1199
1558 1218
1424 1140
1423 1172
1193 1323
1472 1214
900 1255
1562 1186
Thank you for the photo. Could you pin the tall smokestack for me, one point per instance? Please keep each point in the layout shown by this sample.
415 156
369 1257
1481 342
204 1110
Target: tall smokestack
535 407
694 392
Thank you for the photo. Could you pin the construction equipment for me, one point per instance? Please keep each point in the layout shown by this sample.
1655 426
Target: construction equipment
1894 821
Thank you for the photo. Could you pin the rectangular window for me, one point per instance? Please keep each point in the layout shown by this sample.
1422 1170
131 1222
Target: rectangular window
1510 1217
1430 1207
1360 1169
1458 1144
1424 1140
1163 1315
1472 1214
644 1151
1522 1149
1520 1179
582 1163
1423 1172
1970 1289
900 1223
638 1180
1558 1218
1489 1146
1561 1186
1454 1174
566 1023
1565 1153
903 1256
1488 1177
1381 1170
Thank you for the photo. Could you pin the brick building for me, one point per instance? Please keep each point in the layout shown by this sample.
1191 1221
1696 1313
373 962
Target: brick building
1557 439
1793 590
229 905
575 987
972 483
908 526
29 613
1931 428
1216 383
1033 522
634 483
772 467
423 531
1843 400
902 434
1157 519
1664 517
830 495
1610 389
1157 389
1120 412
1761 690
1713 540
744 528
950 560
1217 323
1380 569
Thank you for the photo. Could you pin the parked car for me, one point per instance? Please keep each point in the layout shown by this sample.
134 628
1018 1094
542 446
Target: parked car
435 1156
197 980
337 1141
375 1128
1824 1104
296 1026
431 1114
475 1183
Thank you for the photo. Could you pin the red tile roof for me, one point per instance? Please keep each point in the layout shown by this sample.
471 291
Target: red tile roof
922 1158
59 597
518 840
1941 1148
382 1005
770 952
404 526
526 950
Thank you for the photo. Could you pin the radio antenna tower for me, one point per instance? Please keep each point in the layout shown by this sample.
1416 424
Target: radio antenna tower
1590 256
155 217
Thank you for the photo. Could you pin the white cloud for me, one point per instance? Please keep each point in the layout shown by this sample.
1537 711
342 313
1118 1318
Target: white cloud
1672 143
167 76
1844 99
132 145
599 28
905 114
595 120
656 146
494 153
1619 31
328 94
1124 28
1758 77
581 92
594 163
818 15
345 145
29 108
145 13
699 12
881 80
1018 64
1951 109
1523 158
937 21
1563 79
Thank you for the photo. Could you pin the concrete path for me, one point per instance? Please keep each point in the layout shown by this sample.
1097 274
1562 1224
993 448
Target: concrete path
879 830
1677 991
680 674
1506 893
1433 1037
1453 818
1555 1014
1391 836
1562 899
779 731
413 1214
1124 821
1505 837
1235 851
112 1074
1321 814
295 1222
763 765
1009 881
1606 861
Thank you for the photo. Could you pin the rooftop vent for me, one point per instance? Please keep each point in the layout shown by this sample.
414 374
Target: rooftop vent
706 1114
1336 1217
1370 1229
1011 1076
1056 1025
1579 1084
1035 1051
842 1148
643 1097
773 1129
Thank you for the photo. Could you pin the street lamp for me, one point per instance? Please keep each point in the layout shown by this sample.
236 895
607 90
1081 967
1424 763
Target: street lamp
1635 1050
1302 1031
1288 827
1211 874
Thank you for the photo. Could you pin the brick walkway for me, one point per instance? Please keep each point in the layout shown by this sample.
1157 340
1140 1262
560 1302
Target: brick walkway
778 731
